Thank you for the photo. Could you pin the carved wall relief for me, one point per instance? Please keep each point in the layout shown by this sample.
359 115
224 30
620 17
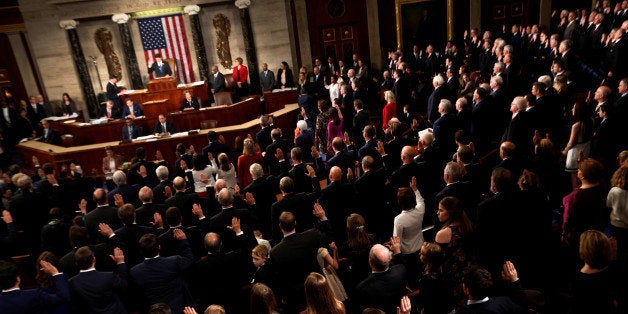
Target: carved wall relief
103 38
223 30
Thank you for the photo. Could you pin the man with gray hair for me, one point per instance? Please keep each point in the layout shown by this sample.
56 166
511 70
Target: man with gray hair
385 286
29 209
128 192
518 130
163 189
262 188
145 213
444 129
440 92
455 186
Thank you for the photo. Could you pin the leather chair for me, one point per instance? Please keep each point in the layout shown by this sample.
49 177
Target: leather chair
209 124
222 98
172 62
67 140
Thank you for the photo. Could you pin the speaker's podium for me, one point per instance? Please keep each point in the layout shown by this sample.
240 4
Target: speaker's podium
162 84
164 95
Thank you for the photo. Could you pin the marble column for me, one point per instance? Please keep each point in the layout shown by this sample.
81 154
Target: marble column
135 78
199 43
87 89
249 45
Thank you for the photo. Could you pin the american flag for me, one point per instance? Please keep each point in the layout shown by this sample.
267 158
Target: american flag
166 35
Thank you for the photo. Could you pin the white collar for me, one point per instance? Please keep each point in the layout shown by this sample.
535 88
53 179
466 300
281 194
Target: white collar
469 302
87 270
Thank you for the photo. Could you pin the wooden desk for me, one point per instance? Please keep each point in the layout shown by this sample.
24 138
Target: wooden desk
245 110
90 156
173 97
278 98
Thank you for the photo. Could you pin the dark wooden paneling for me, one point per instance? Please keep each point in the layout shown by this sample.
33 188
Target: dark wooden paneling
7 61
355 15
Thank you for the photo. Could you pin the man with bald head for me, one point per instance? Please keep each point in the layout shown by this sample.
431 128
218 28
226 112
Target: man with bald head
221 222
183 201
294 258
385 286
145 213
103 213
337 198
227 268
509 160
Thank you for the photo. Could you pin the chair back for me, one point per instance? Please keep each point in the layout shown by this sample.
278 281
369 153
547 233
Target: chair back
222 98
209 124
172 62
67 140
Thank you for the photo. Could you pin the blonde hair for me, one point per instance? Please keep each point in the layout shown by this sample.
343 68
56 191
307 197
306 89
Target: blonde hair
248 147
389 96
619 178
260 250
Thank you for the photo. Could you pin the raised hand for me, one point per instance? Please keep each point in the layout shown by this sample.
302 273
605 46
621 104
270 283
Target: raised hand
179 234
48 268
117 256
197 210
203 177
509 272
210 156
413 184
6 217
142 171
404 306
310 171
279 154
395 245
167 192
235 225
249 198
104 229
118 200
318 211
83 206
189 310
157 221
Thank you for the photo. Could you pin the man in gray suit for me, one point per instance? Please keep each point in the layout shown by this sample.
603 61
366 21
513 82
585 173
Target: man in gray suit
266 78
215 83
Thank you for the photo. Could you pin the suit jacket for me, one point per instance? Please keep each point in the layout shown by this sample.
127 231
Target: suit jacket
193 103
433 101
267 80
35 300
444 130
271 162
184 202
128 192
263 137
112 94
158 191
382 290
514 302
53 137
337 199
136 109
264 190
161 279
241 75
98 292
216 82
215 148
160 129
135 132
300 204
219 223
35 117
129 237
157 72
292 260
370 149
115 113
104 214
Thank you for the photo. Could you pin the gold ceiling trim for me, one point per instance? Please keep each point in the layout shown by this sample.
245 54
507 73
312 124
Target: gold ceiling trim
157 12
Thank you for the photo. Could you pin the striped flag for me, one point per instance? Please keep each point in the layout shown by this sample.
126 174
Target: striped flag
166 35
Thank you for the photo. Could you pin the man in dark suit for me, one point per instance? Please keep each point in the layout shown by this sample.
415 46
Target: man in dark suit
127 191
369 187
97 291
161 278
130 233
30 211
270 160
444 130
305 140
189 102
294 258
337 200
113 94
163 189
263 136
342 158
517 130
440 92
385 286
477 285
298 203
159 68
163 126
266 78
109 111
50 135
402 91
132 110
35 111
215 146
370 146
509 160
465 193
130 131
221 222
13 300
183 201
263 188
146 213
142 171
215 82
103 213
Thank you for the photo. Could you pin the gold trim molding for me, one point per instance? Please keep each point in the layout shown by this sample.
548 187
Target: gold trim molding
11 28
399 24
157 12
